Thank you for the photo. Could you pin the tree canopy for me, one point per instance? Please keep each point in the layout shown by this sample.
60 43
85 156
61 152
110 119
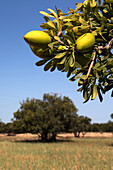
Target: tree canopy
46 117
90 64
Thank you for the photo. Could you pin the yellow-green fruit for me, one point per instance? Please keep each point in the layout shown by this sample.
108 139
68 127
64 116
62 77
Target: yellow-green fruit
37 38
85 43
41 53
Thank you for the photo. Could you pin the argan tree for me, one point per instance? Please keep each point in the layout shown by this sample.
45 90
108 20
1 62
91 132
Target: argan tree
46 117
81 126
79 43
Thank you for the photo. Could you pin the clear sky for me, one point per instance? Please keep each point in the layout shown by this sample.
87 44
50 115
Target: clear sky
20 78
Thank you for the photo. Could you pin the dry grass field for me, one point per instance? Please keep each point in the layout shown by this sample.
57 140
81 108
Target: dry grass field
25 152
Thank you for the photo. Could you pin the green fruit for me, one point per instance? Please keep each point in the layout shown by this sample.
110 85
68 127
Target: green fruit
85 43
37 39
41 53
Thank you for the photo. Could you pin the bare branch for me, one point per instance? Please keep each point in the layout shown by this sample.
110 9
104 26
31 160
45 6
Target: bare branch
91 65
63 43
107 47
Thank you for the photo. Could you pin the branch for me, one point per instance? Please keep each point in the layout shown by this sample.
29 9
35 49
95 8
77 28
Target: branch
63 43
91 65
107 47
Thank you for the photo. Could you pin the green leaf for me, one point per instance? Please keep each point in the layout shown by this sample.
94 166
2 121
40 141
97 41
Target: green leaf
82 21
99 2
99 94
53 12
69 72
75 77
71 61
75 29
66 65
46 18
69 24
83 77
112 93
48 66
44 26
59 11
94 4
51 24
102 36
80 89
80 82
58 23
51 45
94 94
60 67
60 55
109 1
57 38
62 61
53 68
83 29
41 62
46 14
68 37
79 6
87 94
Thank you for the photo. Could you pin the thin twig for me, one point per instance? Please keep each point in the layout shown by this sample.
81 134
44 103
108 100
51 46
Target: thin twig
107 47
63 43
91 65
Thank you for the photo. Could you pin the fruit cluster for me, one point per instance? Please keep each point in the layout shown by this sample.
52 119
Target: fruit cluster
78 42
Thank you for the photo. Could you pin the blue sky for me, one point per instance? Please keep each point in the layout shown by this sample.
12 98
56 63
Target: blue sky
20 78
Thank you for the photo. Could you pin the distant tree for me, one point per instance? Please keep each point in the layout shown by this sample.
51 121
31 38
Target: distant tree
95 127
2 125
111 116
46 117
81 126
106 127
8 128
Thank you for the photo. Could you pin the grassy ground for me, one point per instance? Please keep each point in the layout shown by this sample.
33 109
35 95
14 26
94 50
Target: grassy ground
74 154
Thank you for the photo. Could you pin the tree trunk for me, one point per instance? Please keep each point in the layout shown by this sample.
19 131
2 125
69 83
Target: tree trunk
44 136
53 138
77 134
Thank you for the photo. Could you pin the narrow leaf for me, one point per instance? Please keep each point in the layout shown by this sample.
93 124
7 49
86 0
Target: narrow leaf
48 66
57 38
63 61
99 94
82 21
60 55
41 62
53 12
46 14
51 24
94 95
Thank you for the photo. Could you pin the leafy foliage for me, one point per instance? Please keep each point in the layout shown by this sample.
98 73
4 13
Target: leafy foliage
92 69
46 117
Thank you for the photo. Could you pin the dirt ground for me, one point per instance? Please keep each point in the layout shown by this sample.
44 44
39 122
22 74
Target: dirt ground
28 136
88 135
